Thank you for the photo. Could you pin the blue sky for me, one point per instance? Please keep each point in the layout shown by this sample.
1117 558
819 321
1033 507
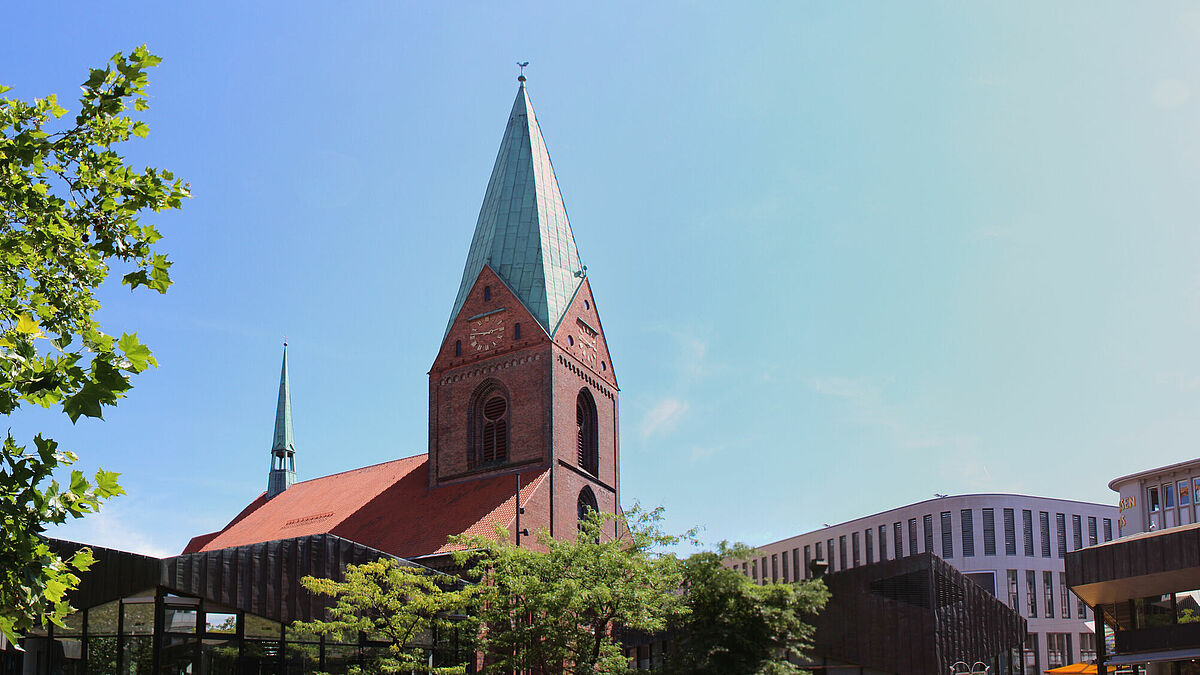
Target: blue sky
847 254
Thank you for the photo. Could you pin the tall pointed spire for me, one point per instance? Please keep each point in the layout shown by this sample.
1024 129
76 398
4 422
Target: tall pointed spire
283 448
522 231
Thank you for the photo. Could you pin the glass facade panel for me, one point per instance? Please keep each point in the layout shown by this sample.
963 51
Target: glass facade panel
220 623
179 619
302 658
1168 496
1185 492
178 655
137 655
102 655
139 619
262 657
218 657
102 620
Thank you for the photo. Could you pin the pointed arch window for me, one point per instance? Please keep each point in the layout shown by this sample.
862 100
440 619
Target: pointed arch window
487 426
587 432
586 504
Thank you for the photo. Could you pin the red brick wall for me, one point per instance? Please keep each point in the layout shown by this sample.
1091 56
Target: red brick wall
543 378
520 366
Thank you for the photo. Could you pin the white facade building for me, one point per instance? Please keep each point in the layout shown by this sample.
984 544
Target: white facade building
1157 499
1012 545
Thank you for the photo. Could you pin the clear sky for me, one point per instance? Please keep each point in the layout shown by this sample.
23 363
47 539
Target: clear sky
847 254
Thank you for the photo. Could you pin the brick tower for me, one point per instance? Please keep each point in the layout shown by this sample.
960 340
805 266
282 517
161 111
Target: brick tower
523 383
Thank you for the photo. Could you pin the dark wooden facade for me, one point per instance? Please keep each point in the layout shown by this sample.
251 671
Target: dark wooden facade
914 615
262 579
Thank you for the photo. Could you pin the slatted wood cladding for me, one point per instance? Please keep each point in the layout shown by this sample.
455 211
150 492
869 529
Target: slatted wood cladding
1176 550
262 579
913 616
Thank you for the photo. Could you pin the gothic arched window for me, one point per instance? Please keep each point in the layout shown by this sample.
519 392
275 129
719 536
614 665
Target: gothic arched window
487 426
586 503
587 432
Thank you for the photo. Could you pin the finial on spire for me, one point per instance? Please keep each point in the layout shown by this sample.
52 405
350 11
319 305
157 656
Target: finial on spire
521 65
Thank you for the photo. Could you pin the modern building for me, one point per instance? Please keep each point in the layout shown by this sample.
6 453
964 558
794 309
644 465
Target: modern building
1011 545
522 435
1144 587
913 615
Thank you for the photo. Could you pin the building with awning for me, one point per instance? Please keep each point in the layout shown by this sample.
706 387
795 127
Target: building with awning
1144 587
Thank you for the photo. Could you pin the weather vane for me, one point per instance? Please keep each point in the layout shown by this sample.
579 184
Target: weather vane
521 65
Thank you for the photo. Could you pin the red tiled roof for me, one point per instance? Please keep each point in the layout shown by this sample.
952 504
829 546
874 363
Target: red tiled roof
386 506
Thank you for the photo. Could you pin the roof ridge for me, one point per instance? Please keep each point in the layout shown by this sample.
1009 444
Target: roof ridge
364 468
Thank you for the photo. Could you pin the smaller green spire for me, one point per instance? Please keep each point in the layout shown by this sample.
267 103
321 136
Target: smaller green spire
283 449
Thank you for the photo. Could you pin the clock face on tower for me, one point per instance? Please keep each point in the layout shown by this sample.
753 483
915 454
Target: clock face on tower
487 333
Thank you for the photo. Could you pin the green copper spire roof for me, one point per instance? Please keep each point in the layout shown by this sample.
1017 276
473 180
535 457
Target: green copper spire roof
522 231
283 413
283 448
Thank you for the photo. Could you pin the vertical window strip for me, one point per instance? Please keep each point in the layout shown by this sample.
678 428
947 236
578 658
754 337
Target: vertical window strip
989 532
1060 522
1048 589
927 523
1010 533
1077 531
1027 526
947 536
1092 531
1031 591
1044 522
966 516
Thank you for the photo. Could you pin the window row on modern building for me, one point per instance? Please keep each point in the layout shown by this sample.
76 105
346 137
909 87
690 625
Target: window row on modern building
1011 545
873 544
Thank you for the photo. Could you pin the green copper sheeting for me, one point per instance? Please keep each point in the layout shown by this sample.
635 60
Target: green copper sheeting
283 413
522 231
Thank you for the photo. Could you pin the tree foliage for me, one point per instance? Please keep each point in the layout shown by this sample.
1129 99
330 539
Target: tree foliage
397 604
558 608
69 210
737 627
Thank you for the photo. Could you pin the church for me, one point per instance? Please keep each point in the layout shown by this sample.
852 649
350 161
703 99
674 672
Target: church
523 435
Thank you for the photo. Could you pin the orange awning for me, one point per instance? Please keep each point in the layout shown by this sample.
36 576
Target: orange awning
1074 668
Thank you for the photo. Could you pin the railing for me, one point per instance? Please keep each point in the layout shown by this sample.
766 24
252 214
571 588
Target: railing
1161 637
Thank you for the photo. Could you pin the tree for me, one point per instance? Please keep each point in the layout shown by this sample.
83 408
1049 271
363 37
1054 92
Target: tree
404 606
69 209
737 627
559 609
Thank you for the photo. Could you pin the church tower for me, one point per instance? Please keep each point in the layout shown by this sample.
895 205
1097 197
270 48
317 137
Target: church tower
523 380
283 447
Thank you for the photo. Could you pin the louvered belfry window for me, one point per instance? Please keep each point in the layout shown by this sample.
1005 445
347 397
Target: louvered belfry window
487 425
494 441
586 436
